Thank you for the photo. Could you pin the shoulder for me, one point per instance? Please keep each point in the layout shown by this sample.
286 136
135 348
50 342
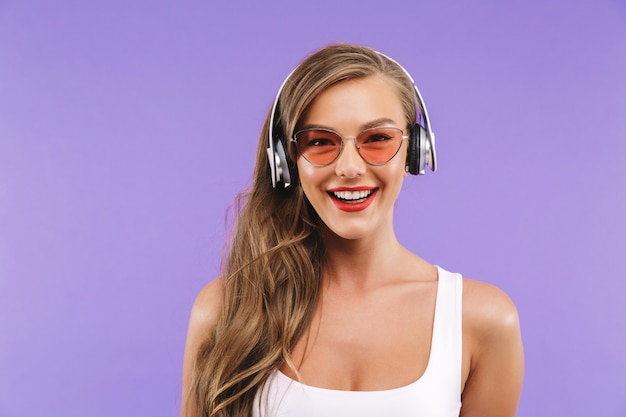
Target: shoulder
491 327
204 316
493 353
486 309
205 313
207 307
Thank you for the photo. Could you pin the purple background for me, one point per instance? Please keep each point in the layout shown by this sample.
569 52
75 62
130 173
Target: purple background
127 128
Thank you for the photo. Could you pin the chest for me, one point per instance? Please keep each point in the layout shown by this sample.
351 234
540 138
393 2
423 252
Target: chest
368 342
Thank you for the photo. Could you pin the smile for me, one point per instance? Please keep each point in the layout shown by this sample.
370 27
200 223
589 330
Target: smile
353 196
353 200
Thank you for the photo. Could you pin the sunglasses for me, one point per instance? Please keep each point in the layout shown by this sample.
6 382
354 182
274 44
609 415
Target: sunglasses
376 146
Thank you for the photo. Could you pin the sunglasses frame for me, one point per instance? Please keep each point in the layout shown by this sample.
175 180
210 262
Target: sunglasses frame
294 139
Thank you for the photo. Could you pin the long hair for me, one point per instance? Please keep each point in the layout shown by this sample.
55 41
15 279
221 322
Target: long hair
272 274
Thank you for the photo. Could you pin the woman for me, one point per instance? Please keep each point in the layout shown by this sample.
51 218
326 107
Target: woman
320 310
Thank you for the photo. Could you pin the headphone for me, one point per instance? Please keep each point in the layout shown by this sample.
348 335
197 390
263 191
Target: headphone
421 152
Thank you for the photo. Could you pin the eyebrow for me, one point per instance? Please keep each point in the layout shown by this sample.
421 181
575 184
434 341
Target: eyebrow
369 125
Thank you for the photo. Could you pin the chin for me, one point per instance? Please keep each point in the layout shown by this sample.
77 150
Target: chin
348 233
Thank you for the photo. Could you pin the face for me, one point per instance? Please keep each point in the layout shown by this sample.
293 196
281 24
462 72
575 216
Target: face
353 198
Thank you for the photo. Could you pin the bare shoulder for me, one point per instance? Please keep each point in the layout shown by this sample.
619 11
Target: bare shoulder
492 352
204 316
487 310
208 305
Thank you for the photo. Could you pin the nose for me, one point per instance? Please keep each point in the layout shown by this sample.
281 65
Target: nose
349 164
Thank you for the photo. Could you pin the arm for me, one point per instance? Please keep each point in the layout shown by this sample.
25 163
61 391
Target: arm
494 347
204 315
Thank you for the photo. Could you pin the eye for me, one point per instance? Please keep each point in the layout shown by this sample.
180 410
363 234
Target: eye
318 139
377 137
315 142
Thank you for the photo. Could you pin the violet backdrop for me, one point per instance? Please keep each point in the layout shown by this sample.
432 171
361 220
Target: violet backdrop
128 127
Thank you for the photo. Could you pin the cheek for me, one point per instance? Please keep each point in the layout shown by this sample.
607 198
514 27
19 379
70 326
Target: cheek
307 176
399 162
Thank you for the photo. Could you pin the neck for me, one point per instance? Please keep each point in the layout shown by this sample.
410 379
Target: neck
362 263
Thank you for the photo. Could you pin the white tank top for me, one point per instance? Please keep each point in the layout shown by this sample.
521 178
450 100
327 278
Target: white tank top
437 393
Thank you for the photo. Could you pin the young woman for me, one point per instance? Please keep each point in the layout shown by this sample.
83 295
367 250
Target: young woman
320 310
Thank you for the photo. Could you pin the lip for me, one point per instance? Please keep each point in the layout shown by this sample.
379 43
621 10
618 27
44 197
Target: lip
352 207
359 188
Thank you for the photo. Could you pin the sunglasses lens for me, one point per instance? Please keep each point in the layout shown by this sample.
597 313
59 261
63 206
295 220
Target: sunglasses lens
320 147
377 146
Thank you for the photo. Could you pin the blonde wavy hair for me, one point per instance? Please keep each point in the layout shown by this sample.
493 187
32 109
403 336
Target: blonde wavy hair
272 273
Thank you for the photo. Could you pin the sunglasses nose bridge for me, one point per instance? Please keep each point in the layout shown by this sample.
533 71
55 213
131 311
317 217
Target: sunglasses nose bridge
342 146
354 139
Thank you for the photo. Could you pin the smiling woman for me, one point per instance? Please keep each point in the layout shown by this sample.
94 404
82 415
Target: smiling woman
320 310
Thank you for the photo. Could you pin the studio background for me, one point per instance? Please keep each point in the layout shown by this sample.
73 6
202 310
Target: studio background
128 127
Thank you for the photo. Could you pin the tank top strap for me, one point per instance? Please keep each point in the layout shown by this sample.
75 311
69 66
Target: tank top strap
446 352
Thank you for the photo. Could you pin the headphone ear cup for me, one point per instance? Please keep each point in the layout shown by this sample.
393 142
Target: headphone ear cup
283 164
415 144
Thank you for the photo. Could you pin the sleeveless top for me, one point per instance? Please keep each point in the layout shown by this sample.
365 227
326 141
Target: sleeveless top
437 393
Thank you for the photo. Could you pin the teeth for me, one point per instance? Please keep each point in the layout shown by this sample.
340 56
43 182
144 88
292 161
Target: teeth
352 195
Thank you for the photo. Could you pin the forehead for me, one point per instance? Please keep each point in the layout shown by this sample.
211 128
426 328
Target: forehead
352 104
